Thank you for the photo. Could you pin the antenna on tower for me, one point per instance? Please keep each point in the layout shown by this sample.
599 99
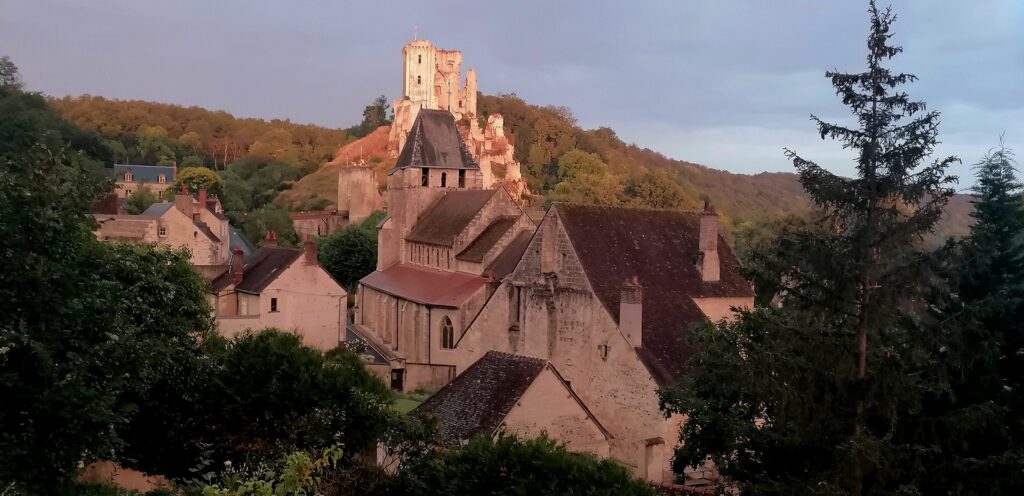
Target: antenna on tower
415 33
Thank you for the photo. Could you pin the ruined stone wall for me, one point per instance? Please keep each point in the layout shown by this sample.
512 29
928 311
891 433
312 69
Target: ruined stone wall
357 192
547 407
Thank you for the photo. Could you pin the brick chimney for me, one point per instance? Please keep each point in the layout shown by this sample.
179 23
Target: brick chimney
310 250
237 267
202 198
631 312
707 259
183 201
270 239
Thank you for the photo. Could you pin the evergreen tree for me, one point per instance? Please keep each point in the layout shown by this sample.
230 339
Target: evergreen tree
823 394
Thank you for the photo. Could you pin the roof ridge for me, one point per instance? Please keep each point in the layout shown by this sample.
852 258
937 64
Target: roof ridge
627 207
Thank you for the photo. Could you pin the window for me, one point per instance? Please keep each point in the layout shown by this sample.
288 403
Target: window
425 177
161 231
273 304
462 178
444 179
447 334
419 59
162 179
129 177
419 79
603 349
127 191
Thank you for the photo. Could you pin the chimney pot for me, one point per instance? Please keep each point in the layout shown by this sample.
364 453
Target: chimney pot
707 261
270 239
631 312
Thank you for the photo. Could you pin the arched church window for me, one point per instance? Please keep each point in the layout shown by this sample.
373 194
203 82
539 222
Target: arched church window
447 334
444 179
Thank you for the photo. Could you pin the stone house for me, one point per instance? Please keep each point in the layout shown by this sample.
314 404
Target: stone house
441 250
131 178
284 288
519 395
196 223
607 295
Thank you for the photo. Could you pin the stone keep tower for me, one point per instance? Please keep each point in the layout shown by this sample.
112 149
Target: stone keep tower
357 192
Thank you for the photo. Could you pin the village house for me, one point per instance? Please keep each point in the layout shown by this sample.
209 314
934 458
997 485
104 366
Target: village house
607 295
280 287
443 247
196 223
131 178
518 395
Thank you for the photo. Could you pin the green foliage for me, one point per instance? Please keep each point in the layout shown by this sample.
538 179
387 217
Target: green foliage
509 466
93 489
295 475
196 178
657 189
350 254
374 115
10 77
252 182
140 200
576 163
271 217
215 137
848 339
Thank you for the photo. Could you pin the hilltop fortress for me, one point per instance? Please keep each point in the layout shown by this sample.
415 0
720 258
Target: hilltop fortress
432 79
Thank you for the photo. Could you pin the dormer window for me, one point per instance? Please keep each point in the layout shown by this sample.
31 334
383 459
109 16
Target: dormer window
162 179
129 177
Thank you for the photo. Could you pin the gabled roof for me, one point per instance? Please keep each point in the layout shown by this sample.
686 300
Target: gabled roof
260 270
449 216
425 286
479 399
143 173
434 141
505 263
157 209
660 248
478 248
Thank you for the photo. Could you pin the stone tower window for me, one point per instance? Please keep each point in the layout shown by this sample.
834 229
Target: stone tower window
419 59
462 178
447 334
425 177
444 179
419 79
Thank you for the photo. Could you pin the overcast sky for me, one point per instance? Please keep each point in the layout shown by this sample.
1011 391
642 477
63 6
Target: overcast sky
726 83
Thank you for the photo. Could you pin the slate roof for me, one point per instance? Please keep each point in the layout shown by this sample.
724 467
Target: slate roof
660 247
477 401
157 209
434 141
449 216
143 173
478 248
506 262
425 286
235 239
259 270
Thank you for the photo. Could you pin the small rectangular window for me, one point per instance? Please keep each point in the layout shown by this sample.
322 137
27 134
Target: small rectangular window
161 231
425 177
273 304
462 178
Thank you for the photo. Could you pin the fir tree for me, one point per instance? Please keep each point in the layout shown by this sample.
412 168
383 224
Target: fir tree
822 394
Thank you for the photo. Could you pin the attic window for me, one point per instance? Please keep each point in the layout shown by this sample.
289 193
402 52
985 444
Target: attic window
129 177
447 334
462 178
425 177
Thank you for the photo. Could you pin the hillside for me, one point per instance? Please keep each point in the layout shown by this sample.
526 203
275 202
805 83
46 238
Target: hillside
323 183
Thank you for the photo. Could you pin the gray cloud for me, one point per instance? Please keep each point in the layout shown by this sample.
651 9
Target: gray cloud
727 83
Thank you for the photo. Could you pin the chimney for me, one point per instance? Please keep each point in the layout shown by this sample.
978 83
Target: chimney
309 248
183 201
270 239
202 198
707 260
174 171
631 312
237 271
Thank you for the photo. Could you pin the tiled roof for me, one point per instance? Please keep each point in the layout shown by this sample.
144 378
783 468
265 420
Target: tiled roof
434 141
477 401
478 248
505 263
449 216
425 286
660 248
260 270
143 173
